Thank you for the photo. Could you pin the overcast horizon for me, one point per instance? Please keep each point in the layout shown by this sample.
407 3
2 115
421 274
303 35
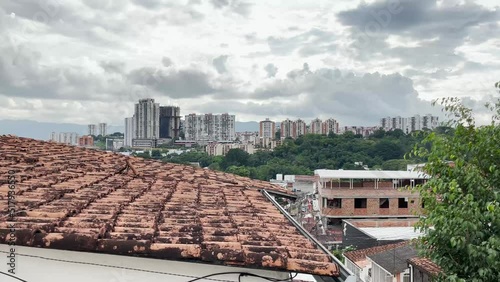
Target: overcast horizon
356 61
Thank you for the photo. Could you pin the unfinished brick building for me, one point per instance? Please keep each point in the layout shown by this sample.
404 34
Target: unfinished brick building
349 194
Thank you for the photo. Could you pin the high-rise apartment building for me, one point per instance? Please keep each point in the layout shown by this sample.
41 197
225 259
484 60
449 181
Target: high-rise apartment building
410 124
267 129
299 128
210 127
293 129
429 121
316 126
103 129
329 125
147 119
286 129
68 138
91 129
170 122
129 131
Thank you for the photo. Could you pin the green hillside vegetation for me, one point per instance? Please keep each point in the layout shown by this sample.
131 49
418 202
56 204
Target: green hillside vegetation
382 150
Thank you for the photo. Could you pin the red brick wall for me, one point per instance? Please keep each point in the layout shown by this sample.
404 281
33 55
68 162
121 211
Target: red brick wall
393 206
373 206
348 206
373 209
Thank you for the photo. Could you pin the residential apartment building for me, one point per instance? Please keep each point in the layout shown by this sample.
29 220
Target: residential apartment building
293 129
91 129
409 124
247 137
103 129
221 149
286 129
365 131
68 138
129 131
86 141
329 125
299 128
170 122
210 127
267 129
147 119
268 143
349 194
316 126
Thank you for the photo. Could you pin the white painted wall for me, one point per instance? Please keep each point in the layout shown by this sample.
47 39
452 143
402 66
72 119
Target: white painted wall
41 265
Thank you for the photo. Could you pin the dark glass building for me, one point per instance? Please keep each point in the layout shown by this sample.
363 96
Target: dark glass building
170 122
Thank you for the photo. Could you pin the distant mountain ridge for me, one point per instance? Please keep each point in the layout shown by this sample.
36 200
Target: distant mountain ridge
42 130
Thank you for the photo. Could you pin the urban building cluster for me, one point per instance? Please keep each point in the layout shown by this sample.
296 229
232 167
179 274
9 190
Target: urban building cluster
410 124
73 138
152 124
68 138
102 129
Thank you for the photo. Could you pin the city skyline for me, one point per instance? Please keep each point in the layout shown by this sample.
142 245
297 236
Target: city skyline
260 59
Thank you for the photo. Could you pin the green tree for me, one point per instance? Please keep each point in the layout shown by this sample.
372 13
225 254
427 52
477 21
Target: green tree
398 164
379 133
236 157
156 154
239 170
462 199
277 134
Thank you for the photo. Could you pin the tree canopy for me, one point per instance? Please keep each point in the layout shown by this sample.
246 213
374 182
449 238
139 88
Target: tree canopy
462 199
312 151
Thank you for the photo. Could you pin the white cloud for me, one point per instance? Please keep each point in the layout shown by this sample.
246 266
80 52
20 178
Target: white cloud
74 60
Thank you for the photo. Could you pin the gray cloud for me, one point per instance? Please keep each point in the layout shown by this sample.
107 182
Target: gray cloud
271 70
219 63
23 75
167 62
113 66
220 3
150 4
185 83
237 6
312 42
444 27
326 91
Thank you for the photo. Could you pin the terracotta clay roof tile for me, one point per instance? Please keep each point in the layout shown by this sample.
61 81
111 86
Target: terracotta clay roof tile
86 200
426 265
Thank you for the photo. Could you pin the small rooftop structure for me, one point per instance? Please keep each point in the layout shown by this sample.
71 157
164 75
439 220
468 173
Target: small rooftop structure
365 233
394 261
369 174
391 233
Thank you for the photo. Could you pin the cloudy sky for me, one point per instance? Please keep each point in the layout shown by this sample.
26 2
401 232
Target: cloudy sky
88 61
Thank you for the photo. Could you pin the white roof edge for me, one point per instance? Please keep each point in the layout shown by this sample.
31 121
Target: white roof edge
370 174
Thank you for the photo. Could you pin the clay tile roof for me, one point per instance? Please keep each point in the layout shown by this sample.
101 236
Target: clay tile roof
80 199
425 265
359 255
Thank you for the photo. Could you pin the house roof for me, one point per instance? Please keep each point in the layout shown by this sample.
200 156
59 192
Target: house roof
425 265
359 255
369 174
391 233
394 261
80 199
